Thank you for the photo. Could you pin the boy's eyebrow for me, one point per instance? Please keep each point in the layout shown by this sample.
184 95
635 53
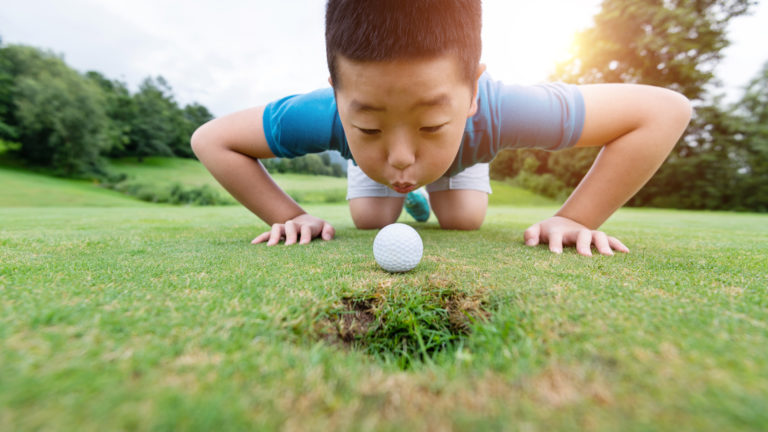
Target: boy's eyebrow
441 99
356 105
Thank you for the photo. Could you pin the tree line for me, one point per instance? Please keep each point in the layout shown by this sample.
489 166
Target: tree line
721 162
71 123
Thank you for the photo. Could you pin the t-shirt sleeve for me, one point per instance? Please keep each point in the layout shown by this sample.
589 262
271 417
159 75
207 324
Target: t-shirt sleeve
306 123
546 116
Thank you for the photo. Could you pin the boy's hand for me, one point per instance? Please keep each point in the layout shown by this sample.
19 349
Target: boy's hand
302 228
559 231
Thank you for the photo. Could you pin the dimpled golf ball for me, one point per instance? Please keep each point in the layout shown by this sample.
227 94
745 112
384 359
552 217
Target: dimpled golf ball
397 248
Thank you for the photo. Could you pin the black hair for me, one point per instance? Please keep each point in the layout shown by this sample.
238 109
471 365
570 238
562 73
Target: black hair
383 30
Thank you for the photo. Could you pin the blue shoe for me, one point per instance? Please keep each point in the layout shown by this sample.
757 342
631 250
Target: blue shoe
416 205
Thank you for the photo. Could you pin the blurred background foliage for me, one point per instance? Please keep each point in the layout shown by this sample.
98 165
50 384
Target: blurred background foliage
721 162
55 119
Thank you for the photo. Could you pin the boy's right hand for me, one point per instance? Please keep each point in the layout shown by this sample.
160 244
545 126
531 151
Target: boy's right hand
303 228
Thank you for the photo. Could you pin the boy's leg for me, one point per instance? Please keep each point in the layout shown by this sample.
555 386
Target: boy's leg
375 212
372 205
459 209
460 202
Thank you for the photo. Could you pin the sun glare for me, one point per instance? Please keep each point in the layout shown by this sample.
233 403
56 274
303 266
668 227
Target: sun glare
523 41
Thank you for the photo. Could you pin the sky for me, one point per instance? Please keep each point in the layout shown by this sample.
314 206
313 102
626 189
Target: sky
234 54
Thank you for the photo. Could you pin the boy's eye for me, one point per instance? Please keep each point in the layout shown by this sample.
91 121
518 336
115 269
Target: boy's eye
432 129
369 131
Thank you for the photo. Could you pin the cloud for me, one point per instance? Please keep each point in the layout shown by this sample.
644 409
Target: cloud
746 55
80 32
239 53
231 56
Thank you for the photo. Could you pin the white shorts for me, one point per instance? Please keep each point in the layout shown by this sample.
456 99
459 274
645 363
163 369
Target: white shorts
360 185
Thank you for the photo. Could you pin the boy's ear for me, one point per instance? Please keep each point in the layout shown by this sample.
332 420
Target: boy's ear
473 107
330 81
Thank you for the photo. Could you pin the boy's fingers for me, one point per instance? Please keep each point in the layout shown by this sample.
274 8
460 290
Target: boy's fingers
556 241
531 235
617 245
290 233
306 234
328 231
293 232
260 238
584 242
601 243
275 234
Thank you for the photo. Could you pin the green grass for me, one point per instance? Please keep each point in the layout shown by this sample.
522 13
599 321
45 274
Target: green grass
155 317
189 172
506 194
19 188
160 171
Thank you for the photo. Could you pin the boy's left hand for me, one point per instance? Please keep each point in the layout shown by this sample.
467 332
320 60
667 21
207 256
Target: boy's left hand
559 231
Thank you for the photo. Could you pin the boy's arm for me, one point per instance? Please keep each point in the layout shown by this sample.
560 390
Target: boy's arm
638 126
230 147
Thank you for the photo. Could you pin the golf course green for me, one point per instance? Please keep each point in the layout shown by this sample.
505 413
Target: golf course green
118 314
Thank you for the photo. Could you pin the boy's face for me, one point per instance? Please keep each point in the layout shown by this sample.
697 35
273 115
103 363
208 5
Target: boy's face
404 119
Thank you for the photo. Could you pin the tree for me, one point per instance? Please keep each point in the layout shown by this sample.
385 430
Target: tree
59 115
8 122
313 163
669 43
153 128
704 171
192 117
159 127
68 121
149 123
120 109
674 44
753 107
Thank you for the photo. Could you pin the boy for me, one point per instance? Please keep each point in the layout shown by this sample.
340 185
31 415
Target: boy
411 105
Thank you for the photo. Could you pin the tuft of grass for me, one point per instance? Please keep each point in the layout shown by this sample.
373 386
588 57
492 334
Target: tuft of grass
405 323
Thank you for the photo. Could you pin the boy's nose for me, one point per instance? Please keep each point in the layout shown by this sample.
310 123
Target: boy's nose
401 156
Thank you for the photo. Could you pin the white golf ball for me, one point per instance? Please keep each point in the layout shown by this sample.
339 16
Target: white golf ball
397 248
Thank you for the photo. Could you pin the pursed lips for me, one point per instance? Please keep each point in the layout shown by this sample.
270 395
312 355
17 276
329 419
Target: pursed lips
403 187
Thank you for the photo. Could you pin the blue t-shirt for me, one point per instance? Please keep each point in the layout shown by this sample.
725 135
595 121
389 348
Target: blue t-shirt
545 116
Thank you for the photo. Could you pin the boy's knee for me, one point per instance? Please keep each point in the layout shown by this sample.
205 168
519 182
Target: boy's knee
196 140
463 221
375 213
367 224
459 209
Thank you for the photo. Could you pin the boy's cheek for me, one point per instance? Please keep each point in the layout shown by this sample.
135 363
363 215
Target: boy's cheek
360 155
369 162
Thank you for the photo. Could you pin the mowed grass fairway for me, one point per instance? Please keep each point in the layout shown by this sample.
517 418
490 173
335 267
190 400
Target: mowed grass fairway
155 317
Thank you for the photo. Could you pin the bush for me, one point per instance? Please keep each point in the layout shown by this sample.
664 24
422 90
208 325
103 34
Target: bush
167 193
545 184
316 197
317 164
8 146
524 169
